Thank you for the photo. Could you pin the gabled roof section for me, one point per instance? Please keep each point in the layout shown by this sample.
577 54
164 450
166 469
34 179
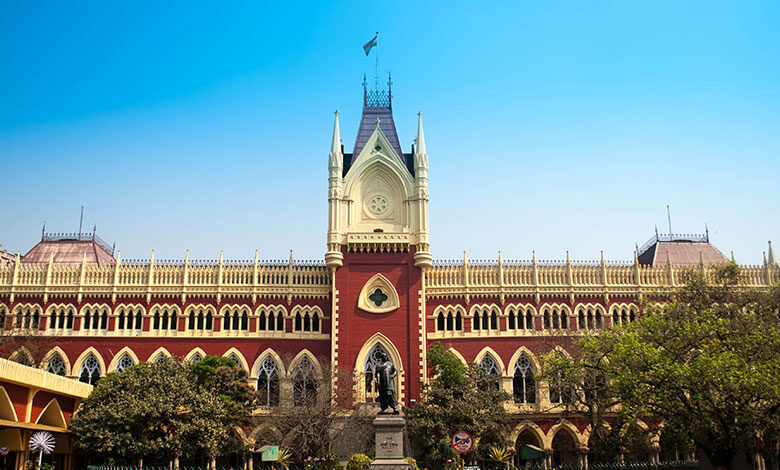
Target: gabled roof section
377 105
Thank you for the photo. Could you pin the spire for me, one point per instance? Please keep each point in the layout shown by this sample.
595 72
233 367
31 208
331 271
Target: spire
420 156
419 148
771 259
335 146
336 158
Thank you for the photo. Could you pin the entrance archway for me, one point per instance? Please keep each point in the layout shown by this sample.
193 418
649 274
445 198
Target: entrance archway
564 447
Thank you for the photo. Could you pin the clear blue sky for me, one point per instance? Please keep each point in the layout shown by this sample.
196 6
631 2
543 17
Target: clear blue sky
550 126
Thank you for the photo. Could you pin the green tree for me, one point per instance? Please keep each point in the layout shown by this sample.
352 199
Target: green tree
163 410
146 410
706 363
224 390
458 398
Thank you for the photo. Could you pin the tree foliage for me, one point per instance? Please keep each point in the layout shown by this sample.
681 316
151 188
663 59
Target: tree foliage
706 363
163 410
458 398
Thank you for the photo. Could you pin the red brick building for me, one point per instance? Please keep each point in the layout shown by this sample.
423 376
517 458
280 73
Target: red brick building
379 293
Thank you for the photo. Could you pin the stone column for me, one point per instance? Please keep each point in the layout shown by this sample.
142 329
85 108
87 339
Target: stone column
548 457
389 433
582 457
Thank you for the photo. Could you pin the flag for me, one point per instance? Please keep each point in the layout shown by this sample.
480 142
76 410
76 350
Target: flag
370 45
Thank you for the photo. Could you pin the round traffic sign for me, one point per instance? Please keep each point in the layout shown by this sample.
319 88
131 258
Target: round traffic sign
4 451
462 442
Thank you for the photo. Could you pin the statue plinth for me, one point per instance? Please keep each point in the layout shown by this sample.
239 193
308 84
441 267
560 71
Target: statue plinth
389 432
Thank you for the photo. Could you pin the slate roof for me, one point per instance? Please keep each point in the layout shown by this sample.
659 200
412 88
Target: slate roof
377 104
70 249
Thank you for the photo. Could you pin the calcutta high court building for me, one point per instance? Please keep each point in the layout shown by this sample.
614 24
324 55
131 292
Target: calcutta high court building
378 294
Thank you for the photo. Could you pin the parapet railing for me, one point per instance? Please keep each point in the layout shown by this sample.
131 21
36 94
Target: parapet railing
476 278
169 278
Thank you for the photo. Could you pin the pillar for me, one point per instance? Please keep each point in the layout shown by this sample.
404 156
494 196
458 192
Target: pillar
582 457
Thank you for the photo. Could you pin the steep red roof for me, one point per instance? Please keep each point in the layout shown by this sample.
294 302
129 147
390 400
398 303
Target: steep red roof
70 250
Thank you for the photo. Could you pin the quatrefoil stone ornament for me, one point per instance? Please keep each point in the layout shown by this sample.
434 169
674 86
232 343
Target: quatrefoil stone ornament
378 297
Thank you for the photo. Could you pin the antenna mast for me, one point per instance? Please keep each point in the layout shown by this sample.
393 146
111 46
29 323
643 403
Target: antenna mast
669 216
81 220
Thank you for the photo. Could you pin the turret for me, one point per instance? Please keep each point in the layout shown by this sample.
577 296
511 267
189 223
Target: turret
422 258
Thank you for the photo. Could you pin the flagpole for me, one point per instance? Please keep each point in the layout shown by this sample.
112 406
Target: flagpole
376 73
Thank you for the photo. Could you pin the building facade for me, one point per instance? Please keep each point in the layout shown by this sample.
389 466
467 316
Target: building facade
379 294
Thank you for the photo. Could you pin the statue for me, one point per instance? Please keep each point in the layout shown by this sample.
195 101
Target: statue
385 382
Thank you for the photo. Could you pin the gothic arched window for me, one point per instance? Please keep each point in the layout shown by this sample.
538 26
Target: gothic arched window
304 383
56 365
124 362
524 381
196 358
489 365
90 370
235 359
377 355
268 383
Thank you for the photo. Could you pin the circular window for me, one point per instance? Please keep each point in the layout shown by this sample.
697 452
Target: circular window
378 205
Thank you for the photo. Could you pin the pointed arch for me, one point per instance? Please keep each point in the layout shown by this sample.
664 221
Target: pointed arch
161 351
22 356
395 357
566 426
378 295
305 353
24 315
193 354
488 350
83 359
524 350
52 352
115 360
7 410
527 425
236 353
52 415
264 429
259 361
457 354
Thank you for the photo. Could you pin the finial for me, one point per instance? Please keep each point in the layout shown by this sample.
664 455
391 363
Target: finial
656 233
499 256
118 256
187 256
602 256
533 256
706 232
221 256
771 258
43 231
732 257
151 260
378 121
337 112
94 230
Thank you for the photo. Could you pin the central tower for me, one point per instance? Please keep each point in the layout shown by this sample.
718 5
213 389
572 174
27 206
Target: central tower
378 246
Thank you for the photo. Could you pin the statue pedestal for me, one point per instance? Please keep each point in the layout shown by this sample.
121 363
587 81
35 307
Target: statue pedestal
389 432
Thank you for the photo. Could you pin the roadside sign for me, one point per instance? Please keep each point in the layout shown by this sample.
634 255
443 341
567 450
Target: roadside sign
462 442
271 454
4 451
471 467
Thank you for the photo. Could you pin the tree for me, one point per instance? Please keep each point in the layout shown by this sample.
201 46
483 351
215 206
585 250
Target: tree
223 385
161 410
458 398
706 363
146 410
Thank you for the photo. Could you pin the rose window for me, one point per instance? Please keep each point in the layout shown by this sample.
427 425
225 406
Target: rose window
378 205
